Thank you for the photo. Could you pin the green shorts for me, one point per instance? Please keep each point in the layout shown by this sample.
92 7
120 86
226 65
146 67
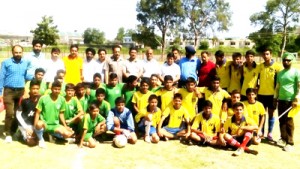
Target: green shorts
50 128
87 136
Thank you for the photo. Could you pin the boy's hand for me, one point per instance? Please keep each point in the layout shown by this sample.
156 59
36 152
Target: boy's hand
29 132
126 133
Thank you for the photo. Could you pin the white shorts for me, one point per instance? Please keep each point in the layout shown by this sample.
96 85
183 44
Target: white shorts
23 131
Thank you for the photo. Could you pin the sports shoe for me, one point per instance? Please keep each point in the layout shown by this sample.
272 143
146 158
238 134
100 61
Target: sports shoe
251 151
8 139
71 140
147 139
238 152
42 144
269 137
281 142
288 148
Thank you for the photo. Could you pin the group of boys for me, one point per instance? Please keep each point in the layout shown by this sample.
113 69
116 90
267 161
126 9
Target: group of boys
206 114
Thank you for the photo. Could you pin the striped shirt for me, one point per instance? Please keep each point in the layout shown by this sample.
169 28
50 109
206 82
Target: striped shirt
13 74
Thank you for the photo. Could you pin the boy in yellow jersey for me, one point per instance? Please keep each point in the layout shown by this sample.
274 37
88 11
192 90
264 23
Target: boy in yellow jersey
190 96
148 119
206 126
238 131
215 94
222 68
140 98
177 113
256 111
166 93
235 72
250 74
267 81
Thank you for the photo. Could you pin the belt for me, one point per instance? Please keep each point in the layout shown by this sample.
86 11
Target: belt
15 88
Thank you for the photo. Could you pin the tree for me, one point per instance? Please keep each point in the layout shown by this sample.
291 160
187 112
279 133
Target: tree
206 14
46 31
146 36
93 36
163 14
120 34
278 16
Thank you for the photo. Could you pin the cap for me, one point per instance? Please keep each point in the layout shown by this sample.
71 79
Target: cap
190 50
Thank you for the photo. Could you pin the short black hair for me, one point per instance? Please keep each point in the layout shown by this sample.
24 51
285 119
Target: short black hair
190 80
237 104
168 77
133 48
74 46
151 97
90 50
207 103
56 83
79 86
177 95
37 41
235 92
55 49
100 50
113 76
38 70
250 52
97 75
100 91
70 86
34 82
131 79
215 78
219 53
236 55
145 80
170 55
250 90
119 100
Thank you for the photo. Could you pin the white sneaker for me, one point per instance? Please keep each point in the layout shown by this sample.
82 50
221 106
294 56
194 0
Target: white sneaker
42 144
71 140
8 139
288 148
147 139
281 142
238 152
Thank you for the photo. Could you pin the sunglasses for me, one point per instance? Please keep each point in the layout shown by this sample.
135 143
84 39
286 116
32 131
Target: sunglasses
286 60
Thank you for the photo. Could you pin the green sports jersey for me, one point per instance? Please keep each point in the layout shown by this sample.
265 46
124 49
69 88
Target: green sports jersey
104 108
73 106
153 90
128 94
112 93
92 96
43 87
84 102
89 124
288 80
50 109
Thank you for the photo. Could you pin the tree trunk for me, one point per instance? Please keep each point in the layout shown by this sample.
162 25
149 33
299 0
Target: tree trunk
163 43
283 42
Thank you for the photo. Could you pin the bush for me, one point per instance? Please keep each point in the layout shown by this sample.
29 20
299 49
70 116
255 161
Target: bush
204 45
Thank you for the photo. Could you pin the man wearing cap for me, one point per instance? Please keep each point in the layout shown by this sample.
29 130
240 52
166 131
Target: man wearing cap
188 65
287 93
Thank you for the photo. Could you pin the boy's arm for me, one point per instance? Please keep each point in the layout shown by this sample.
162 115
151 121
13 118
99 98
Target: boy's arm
21 120
62 118
136 109
82 137
261 123
37 117
160 124
130 122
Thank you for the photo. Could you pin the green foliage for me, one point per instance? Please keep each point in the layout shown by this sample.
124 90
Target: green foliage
147 37
206 14
120 34
163 14
46 31
93 36
204 45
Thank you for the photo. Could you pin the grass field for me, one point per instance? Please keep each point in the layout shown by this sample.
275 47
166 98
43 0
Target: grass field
171 154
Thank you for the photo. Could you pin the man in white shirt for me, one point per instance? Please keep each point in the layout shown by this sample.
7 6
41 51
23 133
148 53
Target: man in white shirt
170 68
89 66
53 65
132 65
150 66
102 66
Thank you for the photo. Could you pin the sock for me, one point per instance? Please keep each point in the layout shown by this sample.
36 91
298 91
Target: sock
271 124
233 143
247 138
39 134
147 128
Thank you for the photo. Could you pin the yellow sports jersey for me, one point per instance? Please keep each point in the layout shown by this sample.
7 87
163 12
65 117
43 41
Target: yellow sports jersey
235 79
155 117
255 110
215 97
232 127
189 101
141 99
225 116
250 78
166 97
209 127
73 69
223 73
267 78
176 116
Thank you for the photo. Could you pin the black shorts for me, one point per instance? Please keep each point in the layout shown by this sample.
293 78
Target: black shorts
266 100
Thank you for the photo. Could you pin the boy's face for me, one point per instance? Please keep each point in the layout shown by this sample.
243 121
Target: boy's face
120 107
235 98
236 60
204 57
153 103
80 92
170 60
61 75
249 58
251 96
113 82
89 55
97 81
133 84
238 112
190 87
74 51
34 90
219 59
206 111
153 81
168 84
102 55
70 92
54 55
94 112
55 91
39 76
100 97
215 84
177 103
144 88
267 56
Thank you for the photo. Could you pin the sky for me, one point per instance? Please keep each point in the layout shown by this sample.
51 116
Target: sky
21 16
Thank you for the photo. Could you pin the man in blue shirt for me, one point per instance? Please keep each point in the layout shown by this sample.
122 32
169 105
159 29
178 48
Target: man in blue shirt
12 78
120 120
189 66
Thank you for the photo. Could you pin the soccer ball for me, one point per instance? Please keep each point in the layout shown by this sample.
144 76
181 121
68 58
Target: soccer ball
120 141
